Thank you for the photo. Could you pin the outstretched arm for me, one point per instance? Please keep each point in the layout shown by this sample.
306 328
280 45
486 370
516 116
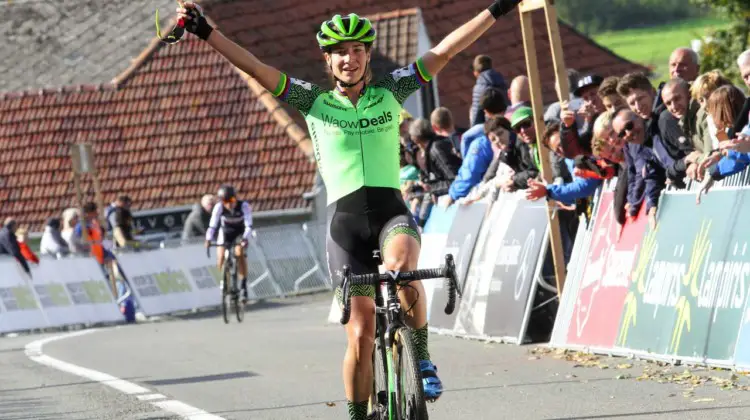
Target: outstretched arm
461 38
268 76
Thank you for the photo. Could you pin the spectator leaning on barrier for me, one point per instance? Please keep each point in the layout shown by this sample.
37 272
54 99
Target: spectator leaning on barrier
196 224
681 155
438 163
609 147
22 235
94 233
704 137
519 95
9 243
121 222
724 106
493 103
646 176
70 218
487 78
52 241
501 137
443 125
527 162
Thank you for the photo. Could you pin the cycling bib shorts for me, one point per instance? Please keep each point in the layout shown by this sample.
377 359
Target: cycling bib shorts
357 152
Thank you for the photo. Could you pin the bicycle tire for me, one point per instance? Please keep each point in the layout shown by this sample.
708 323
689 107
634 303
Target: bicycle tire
411 395
239 308
379 396
225 295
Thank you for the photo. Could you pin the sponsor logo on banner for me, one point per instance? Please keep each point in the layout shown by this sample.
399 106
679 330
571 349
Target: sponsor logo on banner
514 269
88 292
460 243
206 277
52 295
162 283
606 277
18 298
689 289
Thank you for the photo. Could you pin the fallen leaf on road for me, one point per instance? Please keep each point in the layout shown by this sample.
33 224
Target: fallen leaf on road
703 400
331 404
623 376
534 358
624 366
489 373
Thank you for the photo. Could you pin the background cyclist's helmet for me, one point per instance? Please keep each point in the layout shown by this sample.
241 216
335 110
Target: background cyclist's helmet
345 28
226 193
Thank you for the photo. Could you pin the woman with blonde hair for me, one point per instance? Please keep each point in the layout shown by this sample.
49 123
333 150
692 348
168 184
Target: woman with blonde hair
705 129
723 107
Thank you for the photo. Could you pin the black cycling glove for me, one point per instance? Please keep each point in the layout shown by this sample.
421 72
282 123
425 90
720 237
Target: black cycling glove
198 25
502 7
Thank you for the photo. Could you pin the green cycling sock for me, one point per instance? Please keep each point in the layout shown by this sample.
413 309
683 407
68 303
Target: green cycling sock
420 342
357 410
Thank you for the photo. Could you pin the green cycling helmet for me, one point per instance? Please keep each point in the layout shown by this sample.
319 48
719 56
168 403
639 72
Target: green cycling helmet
345 28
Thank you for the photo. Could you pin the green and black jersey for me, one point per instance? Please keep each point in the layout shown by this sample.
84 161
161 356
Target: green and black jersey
355 146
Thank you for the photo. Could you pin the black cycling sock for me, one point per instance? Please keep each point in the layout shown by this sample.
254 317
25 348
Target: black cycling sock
357 410
420 338
243 283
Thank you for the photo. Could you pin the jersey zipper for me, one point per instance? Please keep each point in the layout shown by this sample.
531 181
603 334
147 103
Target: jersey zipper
361 142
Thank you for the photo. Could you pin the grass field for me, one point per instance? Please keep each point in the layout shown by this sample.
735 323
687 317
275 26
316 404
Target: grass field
652 46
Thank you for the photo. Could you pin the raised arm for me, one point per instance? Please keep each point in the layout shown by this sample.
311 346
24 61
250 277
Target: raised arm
461 38
196 23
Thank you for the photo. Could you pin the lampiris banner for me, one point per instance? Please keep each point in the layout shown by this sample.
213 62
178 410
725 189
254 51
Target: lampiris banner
460 242
606 277
679 291
688 296
515 268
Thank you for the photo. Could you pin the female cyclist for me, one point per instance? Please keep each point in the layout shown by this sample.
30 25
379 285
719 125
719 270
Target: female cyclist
355 134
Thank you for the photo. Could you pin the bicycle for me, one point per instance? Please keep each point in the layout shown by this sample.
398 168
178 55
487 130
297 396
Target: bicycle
230 298
397 380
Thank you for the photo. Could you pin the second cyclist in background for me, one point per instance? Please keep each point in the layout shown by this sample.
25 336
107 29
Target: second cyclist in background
231 219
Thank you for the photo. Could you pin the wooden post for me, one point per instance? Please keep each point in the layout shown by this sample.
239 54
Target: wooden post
525 10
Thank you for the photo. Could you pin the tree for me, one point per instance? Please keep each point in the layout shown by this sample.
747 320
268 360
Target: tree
725 45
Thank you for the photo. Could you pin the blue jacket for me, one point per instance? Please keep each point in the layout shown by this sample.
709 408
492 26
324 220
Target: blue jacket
646 177
469 136
487 79
731 164
475 164
572 191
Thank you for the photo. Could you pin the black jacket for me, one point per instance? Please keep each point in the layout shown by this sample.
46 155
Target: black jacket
441 166
518 157
9 246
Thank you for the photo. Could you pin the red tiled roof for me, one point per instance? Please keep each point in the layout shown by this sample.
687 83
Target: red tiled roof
182 122
282 34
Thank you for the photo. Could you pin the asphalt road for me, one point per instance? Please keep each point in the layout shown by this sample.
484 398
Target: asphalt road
283 362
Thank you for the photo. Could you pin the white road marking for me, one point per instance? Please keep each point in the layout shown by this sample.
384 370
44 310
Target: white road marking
151 397
34 352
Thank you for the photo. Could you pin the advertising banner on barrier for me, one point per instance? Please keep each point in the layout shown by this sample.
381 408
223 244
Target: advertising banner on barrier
460 242
689 288
20 309
515 270
159 281
203 273
440 220
472 310
74 291
606 277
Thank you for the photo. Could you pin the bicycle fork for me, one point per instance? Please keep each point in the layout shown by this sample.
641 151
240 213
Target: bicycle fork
394 323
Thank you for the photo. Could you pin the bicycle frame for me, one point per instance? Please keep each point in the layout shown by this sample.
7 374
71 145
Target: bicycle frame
391 318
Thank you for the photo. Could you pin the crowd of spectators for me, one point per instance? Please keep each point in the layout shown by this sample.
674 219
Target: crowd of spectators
692 128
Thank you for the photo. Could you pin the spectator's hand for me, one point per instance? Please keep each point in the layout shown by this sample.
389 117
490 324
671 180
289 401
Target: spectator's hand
506 185
740 144
243 243
587 112
446 201
708 162
693 157
705 186
567 117
692 171
536 190
652 218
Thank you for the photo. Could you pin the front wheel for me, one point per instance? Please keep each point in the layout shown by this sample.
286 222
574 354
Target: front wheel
225 294
409 389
